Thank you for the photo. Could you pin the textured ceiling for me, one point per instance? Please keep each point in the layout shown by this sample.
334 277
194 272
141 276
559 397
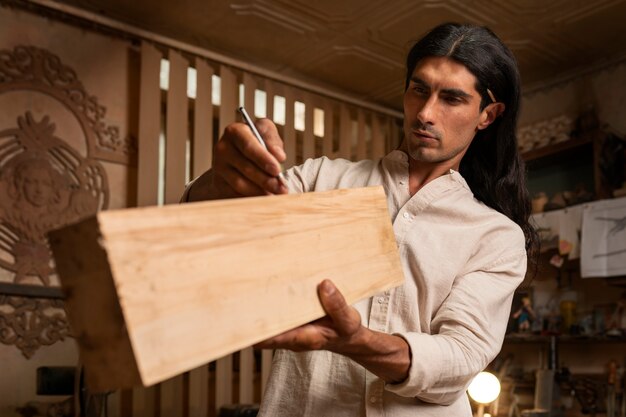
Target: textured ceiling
359 45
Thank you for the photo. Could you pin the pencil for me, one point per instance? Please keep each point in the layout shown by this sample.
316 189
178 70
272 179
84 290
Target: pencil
247 120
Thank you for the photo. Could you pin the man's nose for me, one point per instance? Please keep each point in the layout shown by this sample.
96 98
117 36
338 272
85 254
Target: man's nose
426 112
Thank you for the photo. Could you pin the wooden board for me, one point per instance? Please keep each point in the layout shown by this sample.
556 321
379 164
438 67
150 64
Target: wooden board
153 292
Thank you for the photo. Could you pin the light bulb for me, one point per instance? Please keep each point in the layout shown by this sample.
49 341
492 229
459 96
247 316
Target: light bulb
484 388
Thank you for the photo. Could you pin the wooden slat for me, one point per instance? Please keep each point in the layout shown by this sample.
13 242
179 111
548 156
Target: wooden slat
266 366
126 403
172 275
223 381
394 133
361 147
249 85
289 131
228 107
269 98
345 136
329 129
246 362
202 149
199 392
378 139
229 98
144 402
149 126
246 376
176 136
176 128
308 138
114 404
172 397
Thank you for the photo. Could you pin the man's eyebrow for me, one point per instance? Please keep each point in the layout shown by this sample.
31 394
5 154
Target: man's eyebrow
419 81
455 92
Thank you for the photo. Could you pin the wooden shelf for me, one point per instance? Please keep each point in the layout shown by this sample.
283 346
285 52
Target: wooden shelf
561 339
557 148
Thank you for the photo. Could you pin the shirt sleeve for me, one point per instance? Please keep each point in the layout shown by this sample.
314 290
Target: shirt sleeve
467 333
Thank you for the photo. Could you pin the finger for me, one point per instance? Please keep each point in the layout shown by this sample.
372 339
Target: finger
272 139
248 145
306 337
345 318
239 184
227 156
252 173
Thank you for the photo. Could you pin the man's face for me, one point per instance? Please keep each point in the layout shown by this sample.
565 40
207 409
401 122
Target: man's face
442 112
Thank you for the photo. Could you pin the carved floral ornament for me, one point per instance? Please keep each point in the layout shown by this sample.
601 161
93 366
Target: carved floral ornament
46 184
30 323
35 69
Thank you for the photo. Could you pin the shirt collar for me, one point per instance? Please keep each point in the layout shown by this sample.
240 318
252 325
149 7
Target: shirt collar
400 157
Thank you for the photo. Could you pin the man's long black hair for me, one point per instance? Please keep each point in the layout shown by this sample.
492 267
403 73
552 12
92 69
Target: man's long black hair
492 165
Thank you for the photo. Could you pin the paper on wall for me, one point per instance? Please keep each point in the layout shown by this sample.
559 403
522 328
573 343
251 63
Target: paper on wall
547 226
569 231
603 252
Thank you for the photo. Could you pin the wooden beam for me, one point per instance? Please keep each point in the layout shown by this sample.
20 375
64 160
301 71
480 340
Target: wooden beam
186 284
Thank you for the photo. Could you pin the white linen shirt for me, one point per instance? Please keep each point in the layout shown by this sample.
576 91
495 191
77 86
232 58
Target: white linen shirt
462 262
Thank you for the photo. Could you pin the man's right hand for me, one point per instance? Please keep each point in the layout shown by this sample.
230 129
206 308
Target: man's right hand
241 166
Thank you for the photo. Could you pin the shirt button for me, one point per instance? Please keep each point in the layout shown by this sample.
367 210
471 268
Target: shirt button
406 215
372 400
380 300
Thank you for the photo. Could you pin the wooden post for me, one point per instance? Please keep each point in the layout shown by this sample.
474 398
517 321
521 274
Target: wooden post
154 292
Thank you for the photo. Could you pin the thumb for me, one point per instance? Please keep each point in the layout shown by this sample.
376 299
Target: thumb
345 318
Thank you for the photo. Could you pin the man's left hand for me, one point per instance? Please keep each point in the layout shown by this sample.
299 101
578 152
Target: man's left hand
335 332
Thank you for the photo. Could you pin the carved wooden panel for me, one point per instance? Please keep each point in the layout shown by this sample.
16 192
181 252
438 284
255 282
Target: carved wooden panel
46 183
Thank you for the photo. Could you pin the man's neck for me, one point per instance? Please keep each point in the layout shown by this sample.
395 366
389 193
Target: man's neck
421 173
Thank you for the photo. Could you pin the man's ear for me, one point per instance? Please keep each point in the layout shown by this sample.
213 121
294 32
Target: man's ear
489 114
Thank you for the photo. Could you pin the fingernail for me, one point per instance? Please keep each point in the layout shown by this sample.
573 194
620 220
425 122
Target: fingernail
328 287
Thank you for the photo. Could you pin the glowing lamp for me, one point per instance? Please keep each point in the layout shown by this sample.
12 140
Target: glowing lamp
484 388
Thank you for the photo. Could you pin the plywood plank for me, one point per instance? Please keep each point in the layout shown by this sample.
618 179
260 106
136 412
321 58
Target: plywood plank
163 278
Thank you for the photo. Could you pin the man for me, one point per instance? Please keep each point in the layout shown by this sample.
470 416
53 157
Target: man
456 195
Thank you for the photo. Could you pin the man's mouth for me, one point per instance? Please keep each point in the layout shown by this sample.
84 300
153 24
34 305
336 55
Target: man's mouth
425 134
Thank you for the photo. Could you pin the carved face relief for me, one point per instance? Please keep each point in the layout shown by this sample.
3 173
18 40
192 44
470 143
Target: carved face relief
49 185
34 180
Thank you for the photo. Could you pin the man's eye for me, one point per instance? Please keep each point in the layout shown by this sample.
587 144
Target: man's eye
452 100
420 90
